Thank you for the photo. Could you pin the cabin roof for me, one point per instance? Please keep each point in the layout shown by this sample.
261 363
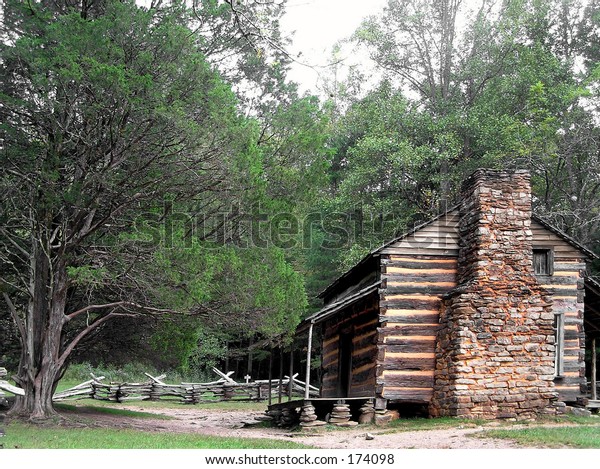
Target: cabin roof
377 252
591 314
565 237
333 308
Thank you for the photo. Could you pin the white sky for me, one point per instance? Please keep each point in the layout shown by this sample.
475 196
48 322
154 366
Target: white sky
318 25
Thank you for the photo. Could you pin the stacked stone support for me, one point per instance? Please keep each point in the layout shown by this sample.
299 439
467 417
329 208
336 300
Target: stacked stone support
495 347
341 415
367 413
308 417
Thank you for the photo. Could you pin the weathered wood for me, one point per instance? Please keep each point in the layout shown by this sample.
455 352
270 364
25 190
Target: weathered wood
156 379
412 347
418 379
280 390
408 302
408 395
418 266
594 390
226 377
407 250
408 275
411 318
409 364
6 386
393 331
291 373
271 376
308 358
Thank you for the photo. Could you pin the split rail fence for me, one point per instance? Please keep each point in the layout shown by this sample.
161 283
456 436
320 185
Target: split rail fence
225 389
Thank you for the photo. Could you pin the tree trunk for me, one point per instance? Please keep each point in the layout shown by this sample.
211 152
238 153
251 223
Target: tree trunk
36 404
41 364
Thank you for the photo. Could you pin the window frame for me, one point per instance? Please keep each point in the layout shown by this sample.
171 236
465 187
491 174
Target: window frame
559 345
548 261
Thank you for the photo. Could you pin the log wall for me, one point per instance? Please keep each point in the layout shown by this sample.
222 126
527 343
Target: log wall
416 272
360 320
567 287
419 269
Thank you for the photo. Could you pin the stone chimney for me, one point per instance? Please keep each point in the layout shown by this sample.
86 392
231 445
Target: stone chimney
494 351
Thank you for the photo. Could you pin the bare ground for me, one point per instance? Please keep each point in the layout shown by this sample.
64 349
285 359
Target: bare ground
230 423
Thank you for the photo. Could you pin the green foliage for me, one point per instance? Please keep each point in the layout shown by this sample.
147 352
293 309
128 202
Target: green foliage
501 91
110 113
133 372
254 292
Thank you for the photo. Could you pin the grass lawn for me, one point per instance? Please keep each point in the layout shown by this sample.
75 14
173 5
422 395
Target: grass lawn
76 434
20 435
167 404
587 436
86 409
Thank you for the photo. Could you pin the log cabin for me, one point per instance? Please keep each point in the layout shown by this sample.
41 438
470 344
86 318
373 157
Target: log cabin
483 312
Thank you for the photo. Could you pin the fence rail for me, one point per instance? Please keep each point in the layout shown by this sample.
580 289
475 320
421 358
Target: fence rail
225 389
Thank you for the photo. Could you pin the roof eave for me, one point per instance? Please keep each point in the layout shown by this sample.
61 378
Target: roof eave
377 252
565 237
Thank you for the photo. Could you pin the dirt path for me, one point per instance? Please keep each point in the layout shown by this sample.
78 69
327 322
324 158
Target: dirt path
229 423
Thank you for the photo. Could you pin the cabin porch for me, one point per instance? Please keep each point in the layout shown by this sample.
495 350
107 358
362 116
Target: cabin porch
592 343
344 412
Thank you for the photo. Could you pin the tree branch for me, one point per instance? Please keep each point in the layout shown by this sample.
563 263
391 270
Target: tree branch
18 321
63 357
119 304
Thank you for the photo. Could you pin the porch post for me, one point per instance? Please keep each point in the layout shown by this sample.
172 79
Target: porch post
308 351
271 376
291 382
280 391
594 393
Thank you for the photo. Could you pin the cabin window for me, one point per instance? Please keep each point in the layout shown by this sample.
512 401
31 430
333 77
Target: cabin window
559 344
543 261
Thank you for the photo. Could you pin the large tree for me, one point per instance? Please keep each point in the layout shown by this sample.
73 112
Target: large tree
105 112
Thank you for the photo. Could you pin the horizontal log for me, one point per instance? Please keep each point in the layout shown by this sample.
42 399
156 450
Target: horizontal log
415 342
408 394
366 347
358 362
425 241
437 250
396 363
70 393
396 275
434 289
415 262
418 379
409 347
6 386
410 302
365 337
393 330
411 319
370 323
575 267
134 398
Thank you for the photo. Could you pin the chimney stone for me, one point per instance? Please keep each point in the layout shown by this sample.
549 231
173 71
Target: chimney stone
496 327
